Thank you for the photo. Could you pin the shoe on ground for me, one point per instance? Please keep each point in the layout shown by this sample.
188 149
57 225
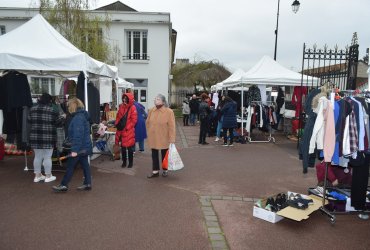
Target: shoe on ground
363 216
231 145
165 173
217 139
123 165
153 175
225 145
129 165
60 188
84 187
50 179
40 178
205 143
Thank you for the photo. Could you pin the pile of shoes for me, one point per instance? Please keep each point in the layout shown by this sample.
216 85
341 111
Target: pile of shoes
273 203
297 201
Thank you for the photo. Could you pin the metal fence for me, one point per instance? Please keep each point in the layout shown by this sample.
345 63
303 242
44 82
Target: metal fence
178 96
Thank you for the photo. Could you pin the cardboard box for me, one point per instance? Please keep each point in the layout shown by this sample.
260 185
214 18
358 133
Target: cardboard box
266 215
288 212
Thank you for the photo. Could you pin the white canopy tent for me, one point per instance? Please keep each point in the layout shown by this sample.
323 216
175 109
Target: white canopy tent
233 77
269 72
37 47
122 84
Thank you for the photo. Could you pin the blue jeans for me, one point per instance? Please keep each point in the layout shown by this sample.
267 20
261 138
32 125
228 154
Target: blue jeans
193 116
71 164
219 127
141 145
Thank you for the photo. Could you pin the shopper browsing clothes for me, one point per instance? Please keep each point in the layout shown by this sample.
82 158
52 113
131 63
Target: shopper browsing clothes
81 145
194 109
43 136
140 129
161 129
204 111
185 112
126 136
229 121
219 118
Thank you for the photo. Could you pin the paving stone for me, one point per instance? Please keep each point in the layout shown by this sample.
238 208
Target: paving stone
216 237
207 209
209 213
237 198
206 203
216 197
212 224
248 199
214 230
206 197
227 197
211 218
219 244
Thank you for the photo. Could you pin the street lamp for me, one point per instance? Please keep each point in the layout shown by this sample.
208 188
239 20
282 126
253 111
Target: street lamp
295 8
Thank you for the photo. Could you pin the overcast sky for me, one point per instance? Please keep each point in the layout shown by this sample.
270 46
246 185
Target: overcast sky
238 33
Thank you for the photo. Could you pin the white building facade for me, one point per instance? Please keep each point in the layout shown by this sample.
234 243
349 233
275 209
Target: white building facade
145 41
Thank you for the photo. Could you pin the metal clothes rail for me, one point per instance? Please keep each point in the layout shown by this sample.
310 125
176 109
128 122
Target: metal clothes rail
270 138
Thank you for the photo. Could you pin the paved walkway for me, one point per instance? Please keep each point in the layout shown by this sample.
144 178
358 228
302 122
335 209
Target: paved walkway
207 205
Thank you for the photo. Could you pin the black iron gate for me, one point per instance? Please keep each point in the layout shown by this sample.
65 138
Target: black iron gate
338 66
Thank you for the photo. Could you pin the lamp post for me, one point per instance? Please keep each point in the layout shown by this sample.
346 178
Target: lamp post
295 8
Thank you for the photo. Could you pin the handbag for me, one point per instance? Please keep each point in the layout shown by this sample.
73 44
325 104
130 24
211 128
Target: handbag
116 152
67 144
122 122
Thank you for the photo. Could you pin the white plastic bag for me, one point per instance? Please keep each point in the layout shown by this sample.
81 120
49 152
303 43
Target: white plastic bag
174 159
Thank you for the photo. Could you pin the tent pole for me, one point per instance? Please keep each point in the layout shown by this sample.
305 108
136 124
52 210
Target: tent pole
242 102
86 98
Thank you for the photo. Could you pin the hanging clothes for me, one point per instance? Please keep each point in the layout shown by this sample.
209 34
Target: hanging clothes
297 98
93 95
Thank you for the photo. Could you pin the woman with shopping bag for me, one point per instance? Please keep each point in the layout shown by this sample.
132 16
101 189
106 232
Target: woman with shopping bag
161 130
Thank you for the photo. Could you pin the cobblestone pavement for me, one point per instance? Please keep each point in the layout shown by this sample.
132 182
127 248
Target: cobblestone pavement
207 205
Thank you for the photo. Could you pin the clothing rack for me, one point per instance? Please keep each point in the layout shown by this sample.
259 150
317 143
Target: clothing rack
270 137
331 214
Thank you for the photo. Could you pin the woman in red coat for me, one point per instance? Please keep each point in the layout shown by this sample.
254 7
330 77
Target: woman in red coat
127 135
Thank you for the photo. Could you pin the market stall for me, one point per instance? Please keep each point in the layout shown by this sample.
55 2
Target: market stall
46 53
268 72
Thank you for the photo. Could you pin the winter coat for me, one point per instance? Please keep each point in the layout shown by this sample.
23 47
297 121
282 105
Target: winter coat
79 132
185 108
127 135
194 106
43 133
204 110
140 128
229 113
160 125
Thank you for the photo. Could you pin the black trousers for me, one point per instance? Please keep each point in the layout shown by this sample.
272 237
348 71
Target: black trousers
360 178
203 129
231 134
155 157
128 153
185 120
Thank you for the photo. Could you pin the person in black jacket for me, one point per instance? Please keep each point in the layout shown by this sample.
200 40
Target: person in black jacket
229 121
194 109
204 112
79 136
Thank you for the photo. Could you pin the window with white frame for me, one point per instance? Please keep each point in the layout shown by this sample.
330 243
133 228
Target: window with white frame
137 45
2 30
42 85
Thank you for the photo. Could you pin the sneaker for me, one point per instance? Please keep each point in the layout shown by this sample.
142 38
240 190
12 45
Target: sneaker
84 187
50 179
60 188
231 145
165 173
363 216
217 139
225 145
38 179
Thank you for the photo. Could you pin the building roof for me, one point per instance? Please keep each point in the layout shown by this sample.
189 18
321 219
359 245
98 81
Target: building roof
117 6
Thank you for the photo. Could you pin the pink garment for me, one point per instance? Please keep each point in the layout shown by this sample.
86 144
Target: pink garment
329 134
297 96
